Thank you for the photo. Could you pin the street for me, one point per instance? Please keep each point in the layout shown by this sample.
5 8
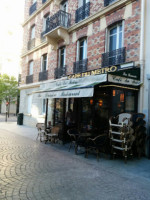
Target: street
30 170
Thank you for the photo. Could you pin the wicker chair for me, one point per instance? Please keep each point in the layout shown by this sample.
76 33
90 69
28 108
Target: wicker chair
96 144
41 131
73 134
52 136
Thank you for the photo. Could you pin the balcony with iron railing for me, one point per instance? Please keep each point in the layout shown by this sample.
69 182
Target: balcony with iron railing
115 57
82 12
108 2
60 72
32 8
29 79
80 66
43 75
31 44
57 27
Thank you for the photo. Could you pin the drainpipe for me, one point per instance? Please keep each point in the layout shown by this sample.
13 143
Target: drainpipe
148 77
142 53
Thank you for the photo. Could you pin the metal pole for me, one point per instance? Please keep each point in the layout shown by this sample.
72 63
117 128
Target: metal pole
6 117
46 113
148 77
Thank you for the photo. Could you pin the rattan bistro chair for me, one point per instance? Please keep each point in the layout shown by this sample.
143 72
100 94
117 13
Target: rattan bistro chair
73 134
96 144
52 136
41 131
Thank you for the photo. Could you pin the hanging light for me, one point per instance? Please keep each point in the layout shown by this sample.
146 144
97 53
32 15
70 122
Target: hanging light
114 93
122 97
91 101
100 102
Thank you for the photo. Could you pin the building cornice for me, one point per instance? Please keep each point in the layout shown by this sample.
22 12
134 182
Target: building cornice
34 49
109 9
29 86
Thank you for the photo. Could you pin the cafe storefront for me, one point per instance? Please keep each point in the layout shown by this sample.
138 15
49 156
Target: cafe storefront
93 97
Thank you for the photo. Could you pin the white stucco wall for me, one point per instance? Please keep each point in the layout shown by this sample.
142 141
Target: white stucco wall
146 57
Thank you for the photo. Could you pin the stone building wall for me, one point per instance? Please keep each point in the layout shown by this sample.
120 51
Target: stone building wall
95 30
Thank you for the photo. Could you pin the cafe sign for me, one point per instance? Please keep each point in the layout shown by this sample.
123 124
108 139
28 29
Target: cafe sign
99 71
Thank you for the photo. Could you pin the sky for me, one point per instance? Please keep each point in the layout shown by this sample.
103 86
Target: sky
11 19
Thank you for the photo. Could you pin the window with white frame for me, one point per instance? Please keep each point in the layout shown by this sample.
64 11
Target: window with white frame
82 3
115 37
44 62
82 49
29 106
62 53
44 21
31 67
64 6
43 106
32 36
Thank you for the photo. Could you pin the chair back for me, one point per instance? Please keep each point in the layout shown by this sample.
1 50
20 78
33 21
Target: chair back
40 126
73 131
55 129
124 118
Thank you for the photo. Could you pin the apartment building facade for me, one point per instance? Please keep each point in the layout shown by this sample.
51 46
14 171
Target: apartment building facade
84 55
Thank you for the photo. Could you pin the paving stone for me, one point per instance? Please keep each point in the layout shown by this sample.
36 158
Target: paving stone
30 170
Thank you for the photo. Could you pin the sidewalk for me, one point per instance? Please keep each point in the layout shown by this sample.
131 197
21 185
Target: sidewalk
22 130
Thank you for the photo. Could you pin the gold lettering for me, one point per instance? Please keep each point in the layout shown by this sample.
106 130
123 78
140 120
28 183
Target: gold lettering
113 68
102 70
93 72
97 71
107 69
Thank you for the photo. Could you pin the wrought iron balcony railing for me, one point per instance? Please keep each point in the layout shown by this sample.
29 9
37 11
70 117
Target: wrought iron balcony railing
43 38
115 57
61 18
31 44
29 79
82 12
32 8
80 66
107 2
60 71
43 75
43 1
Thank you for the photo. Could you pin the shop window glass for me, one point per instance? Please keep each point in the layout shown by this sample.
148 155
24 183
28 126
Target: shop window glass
87 104
123 101
59 111
130 102
117 102
44 106
101 113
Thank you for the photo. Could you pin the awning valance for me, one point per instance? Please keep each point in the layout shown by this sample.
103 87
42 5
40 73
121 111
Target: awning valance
81 87
84 87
